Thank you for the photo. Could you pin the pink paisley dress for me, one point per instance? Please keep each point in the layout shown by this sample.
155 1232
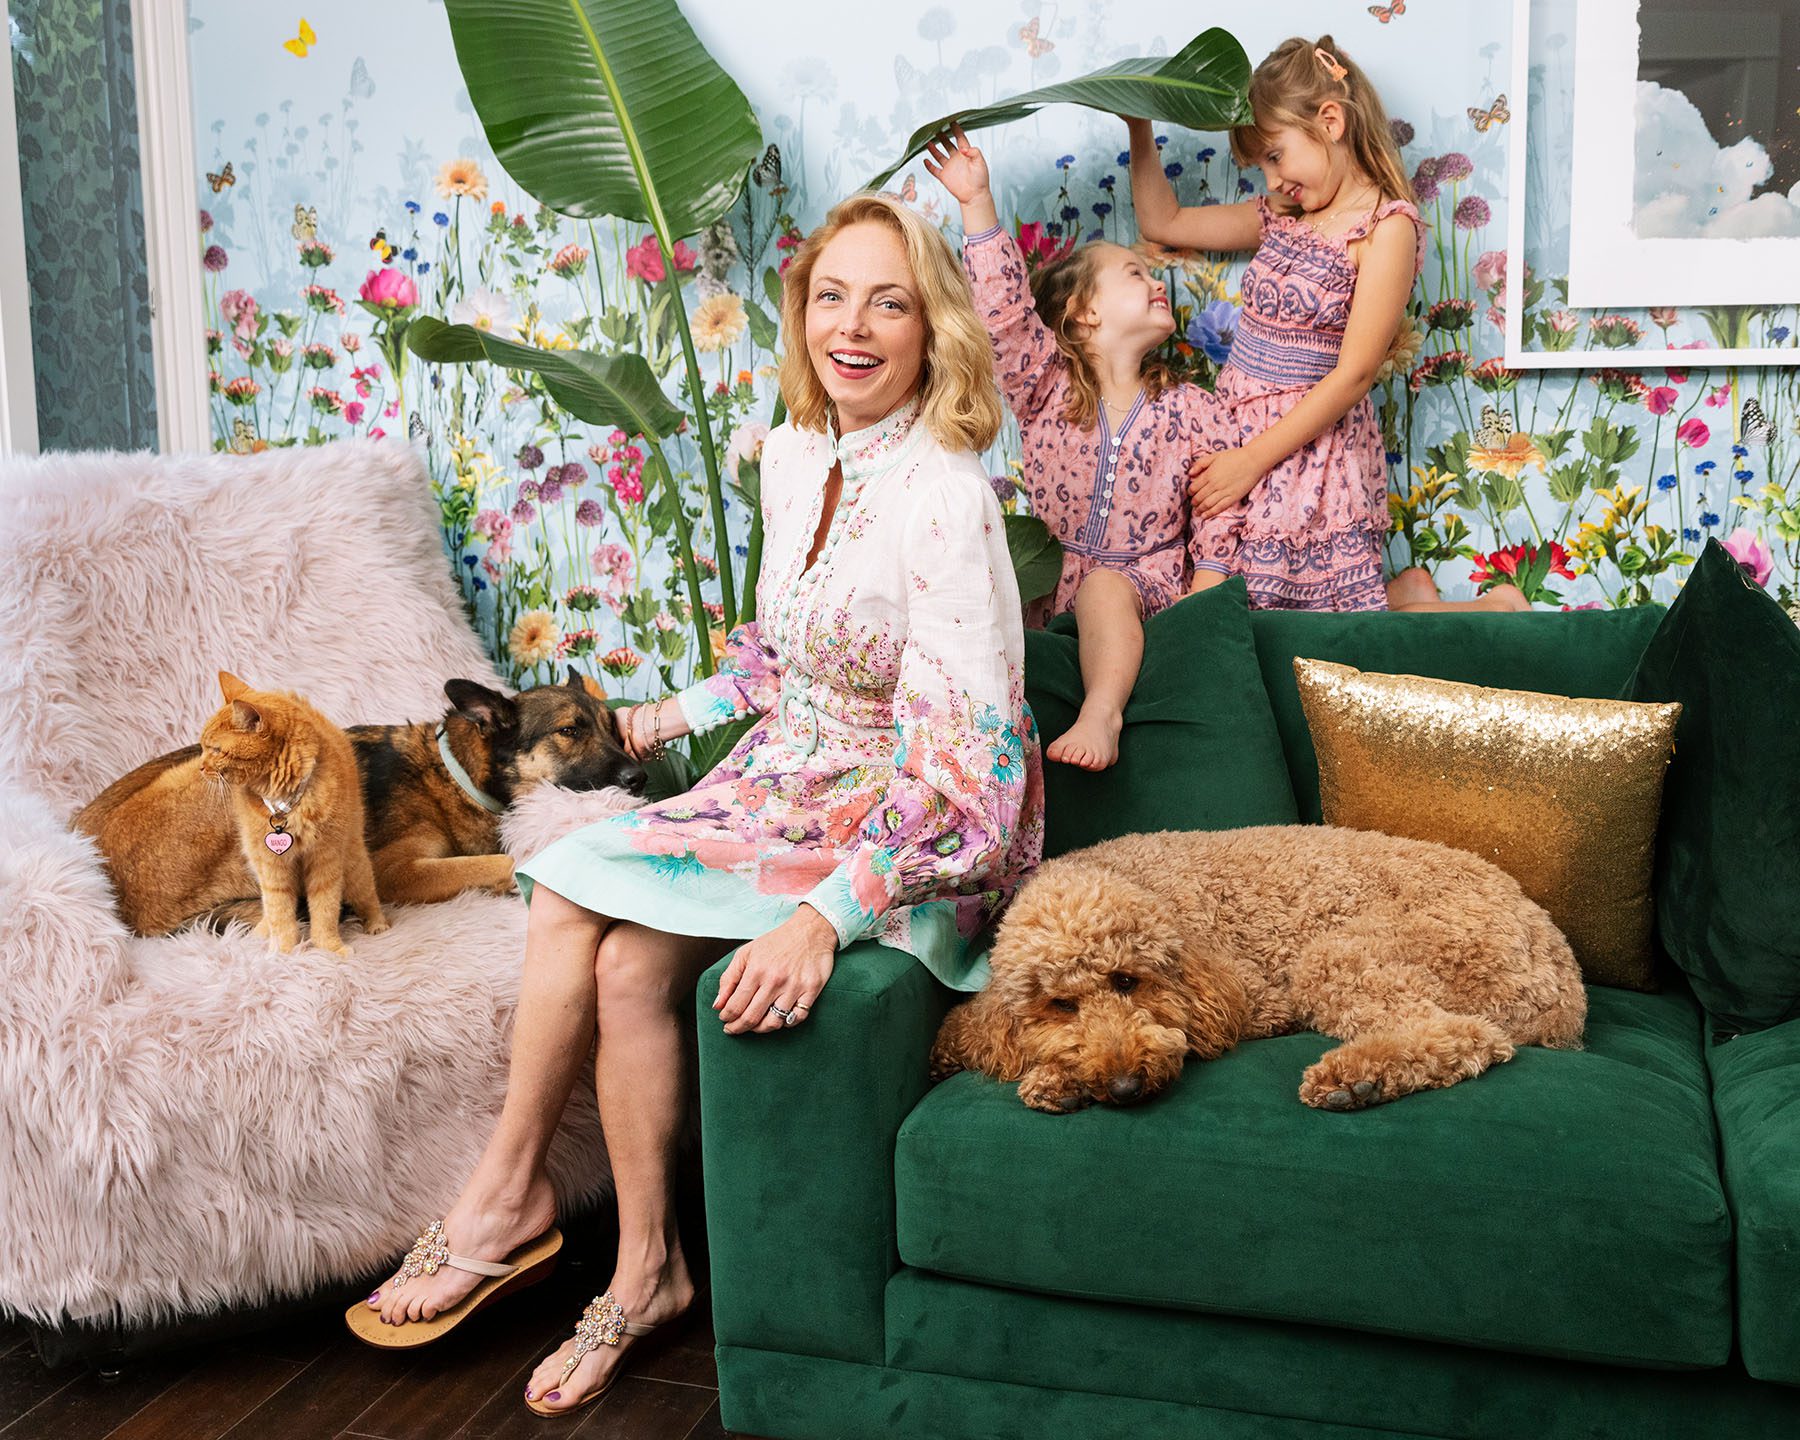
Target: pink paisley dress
892 777
1310 535
1116 497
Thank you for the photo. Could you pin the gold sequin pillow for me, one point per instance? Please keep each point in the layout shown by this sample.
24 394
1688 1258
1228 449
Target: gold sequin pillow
1561 794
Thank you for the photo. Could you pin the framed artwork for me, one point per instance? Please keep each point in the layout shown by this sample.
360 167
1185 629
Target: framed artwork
1628 258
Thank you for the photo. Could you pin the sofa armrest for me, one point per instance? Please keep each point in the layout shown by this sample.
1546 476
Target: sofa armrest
797 1136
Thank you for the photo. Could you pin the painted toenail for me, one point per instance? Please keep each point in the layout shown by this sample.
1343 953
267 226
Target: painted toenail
554 1395
375 1299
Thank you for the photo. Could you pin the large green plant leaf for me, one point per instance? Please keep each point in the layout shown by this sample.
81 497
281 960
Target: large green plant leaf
606 107
619 390
1204 87
1037 556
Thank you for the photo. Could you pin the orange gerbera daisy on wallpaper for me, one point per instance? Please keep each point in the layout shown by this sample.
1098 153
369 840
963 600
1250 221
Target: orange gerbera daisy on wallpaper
462 176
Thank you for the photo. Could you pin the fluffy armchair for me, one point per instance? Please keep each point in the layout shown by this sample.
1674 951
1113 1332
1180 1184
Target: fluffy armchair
189 1123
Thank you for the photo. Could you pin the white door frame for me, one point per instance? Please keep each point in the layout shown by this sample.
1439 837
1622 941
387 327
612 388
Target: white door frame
165 107
18 385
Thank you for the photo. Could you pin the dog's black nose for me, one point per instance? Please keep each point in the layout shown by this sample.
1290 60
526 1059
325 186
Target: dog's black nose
633 778
1126 1088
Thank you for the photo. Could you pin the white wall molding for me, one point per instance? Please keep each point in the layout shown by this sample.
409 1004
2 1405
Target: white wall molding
18 387
165 106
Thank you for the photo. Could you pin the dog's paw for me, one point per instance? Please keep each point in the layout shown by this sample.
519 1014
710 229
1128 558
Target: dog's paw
1053 1094
1328 1086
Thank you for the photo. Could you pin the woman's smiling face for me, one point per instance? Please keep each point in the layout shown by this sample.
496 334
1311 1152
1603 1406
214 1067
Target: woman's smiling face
865 324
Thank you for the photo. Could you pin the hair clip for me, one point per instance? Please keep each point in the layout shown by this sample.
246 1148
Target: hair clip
1332 68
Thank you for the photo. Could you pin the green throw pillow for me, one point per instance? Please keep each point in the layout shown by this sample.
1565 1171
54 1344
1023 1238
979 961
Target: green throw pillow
1200 750
1728 852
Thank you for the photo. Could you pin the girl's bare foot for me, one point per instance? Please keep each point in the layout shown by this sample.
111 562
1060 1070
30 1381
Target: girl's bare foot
655 1299
1503 597
1412 586
483 1224
1092 742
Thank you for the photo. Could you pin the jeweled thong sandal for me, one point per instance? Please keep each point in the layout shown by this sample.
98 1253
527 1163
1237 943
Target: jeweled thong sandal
602 1323
531 1262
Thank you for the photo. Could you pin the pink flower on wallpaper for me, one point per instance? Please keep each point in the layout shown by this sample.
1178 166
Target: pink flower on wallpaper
1720 396
353 413
1693 433
1678 377
644 260
389 290
1490 269
239 309
1752 552
1661 400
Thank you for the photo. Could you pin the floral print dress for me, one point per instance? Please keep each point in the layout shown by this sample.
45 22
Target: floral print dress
1115 496
892 779
1310 535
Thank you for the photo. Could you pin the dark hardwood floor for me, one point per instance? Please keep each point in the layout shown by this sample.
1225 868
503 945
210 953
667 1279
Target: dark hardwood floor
310 1380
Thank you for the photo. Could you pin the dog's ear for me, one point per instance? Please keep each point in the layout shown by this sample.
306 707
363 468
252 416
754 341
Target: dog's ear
980 1035
1217 1005
588 683
487 708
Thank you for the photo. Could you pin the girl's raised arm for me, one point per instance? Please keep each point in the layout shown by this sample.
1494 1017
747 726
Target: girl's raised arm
1160 217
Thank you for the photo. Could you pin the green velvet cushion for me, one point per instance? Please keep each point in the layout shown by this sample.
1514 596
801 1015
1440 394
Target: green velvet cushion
1372 1383
1199 750
1587 654
1728 853
1567 1203
1756 1095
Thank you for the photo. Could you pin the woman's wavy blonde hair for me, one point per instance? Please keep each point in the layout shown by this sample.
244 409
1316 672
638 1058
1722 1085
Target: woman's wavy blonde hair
1287 90
1059 291
958 398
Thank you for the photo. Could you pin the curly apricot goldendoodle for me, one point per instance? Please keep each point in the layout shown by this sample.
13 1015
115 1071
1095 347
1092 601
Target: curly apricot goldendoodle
1117 962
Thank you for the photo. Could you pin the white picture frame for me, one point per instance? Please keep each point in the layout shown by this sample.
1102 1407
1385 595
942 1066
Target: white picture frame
1516 355
1612 267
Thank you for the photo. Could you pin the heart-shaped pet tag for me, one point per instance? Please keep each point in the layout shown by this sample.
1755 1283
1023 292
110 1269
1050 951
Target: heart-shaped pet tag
279 841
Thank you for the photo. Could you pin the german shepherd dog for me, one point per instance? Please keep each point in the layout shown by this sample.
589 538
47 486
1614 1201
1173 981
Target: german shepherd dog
173 852
428 838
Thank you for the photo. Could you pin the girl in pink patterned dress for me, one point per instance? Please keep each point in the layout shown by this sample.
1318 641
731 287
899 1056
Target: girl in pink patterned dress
1107 439
1292 490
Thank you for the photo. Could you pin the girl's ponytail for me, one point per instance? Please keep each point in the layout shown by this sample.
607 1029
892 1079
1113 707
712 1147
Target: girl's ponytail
1289 87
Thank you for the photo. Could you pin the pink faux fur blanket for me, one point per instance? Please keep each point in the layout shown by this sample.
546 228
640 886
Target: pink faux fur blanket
189 1121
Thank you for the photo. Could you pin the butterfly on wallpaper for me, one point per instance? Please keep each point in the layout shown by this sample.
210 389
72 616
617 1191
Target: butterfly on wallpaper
910 190
306 223
220 179
1496 114
1495 430
361 85
1754 426
767 171
1385 13
1035 45
379 244
415 427
301 43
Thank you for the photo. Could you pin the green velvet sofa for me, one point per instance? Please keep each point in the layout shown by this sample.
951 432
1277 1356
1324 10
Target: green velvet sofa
1593 1243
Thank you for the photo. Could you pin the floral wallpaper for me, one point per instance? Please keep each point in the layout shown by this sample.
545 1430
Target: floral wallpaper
74 97
345 189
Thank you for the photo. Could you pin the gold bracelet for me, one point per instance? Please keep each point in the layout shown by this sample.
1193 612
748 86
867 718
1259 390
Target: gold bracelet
657 748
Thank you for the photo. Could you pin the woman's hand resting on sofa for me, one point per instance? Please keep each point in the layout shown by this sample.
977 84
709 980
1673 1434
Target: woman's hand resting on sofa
783 971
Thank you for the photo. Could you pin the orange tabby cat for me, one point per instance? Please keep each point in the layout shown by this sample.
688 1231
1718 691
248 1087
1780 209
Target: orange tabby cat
297 799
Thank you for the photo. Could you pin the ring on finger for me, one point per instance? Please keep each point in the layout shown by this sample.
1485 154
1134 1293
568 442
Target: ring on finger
787 1016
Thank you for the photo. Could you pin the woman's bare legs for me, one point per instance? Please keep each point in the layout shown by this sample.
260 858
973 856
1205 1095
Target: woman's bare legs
1110 618
508 1199
645 980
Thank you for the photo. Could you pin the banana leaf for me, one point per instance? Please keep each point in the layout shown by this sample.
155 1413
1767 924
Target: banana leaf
1206 86
1037 556
615 390
607 107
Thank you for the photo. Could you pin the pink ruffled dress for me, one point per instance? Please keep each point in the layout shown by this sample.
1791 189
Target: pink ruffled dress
1310 535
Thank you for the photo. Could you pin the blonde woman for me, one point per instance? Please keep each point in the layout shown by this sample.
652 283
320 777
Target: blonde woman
889 789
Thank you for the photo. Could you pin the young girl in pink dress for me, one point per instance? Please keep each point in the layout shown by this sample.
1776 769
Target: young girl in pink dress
1107 440
1292 490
